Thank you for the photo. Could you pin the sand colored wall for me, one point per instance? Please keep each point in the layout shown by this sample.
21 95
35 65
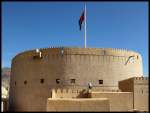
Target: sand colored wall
139 87
119 101
83 64
77 104
141 95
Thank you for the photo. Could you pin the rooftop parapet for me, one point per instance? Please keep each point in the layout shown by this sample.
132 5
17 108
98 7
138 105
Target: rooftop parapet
90 51
141 78
81 90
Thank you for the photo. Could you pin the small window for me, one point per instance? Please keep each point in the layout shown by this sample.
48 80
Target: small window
137 57
104 52
42 81
37 55
15 83
57 81
72 81
100 81
142 91
25 82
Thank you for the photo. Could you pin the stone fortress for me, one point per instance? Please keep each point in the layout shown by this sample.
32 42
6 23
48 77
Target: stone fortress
56 79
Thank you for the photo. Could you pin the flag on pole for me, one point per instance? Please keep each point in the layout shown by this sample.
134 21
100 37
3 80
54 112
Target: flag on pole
81 20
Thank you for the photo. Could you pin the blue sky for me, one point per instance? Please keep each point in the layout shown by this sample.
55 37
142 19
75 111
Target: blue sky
30 25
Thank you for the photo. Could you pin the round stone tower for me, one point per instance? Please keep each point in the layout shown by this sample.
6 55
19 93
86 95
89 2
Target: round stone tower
36 72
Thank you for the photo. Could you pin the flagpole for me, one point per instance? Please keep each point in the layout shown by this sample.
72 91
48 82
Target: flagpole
85 29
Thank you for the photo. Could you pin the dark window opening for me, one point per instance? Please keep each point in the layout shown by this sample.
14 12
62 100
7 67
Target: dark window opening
104 52
100 81
15 82
137 57
37 56
25 82
72 81
42 81
57 81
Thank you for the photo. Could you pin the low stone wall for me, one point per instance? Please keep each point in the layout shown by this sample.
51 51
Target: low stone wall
75 93
82 104
69 93
119 101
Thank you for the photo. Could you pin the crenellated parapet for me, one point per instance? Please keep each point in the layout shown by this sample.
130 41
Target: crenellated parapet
106 54
75 93
141 78
68 93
